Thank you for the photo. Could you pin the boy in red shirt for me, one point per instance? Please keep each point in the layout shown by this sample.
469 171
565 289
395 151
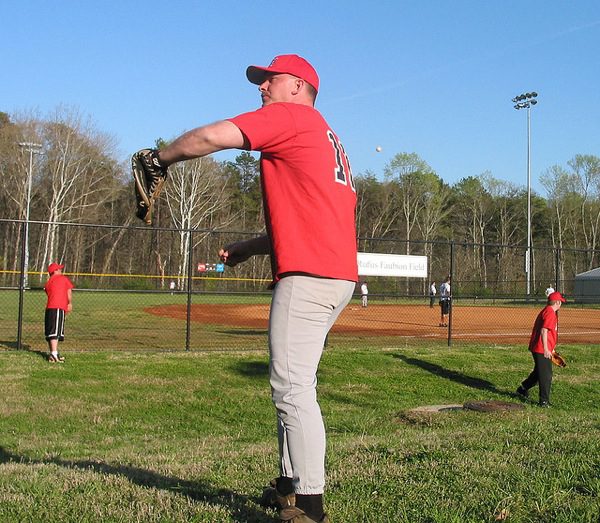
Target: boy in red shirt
541 344
58 288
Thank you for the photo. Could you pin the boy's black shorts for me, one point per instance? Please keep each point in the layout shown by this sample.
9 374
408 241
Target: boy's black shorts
445 304
54 328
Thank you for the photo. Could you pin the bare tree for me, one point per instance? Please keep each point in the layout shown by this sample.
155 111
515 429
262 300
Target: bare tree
74 173
377 211
435 208
196 193
410 172
586 179
505 196
558 184
475 211
507 218
17 184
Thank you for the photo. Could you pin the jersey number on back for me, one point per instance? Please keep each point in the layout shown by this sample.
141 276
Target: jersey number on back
342 171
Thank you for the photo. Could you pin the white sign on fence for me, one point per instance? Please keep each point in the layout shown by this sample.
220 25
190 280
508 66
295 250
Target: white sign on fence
398 265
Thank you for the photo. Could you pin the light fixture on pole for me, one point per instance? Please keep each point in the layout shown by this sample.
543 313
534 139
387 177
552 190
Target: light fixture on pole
31 148
527 101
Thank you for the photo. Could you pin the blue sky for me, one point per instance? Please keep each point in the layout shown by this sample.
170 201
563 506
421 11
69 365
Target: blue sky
431 77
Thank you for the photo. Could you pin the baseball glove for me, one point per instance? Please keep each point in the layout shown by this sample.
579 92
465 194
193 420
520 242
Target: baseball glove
557 359
149 176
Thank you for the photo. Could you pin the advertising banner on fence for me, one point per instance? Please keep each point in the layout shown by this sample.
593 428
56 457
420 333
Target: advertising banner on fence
398 265
211 267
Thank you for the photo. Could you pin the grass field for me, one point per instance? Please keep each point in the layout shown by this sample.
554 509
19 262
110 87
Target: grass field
117 321
172 437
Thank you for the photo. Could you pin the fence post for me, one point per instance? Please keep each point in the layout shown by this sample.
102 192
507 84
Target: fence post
188 326
451 292
21 288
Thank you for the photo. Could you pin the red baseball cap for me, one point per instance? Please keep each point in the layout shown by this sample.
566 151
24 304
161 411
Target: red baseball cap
285 63
53 267
556 296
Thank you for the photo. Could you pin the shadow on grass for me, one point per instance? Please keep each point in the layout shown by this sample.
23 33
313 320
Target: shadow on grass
251 369
245 332
41 353
9 344
458 377
236 504
12 345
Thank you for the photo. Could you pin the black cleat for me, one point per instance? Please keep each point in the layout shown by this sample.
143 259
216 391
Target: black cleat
522 392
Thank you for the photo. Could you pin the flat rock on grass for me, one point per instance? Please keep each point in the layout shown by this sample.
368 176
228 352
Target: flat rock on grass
427 414
493 406
430 409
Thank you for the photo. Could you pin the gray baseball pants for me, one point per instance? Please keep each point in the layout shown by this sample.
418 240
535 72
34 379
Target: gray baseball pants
303 309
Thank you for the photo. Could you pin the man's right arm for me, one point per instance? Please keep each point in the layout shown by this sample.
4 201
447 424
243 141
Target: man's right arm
203 141
544 335
69 300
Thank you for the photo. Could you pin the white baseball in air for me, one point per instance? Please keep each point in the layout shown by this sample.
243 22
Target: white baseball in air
378 148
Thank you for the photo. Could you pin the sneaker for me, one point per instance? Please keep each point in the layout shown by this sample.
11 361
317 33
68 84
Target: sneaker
295 515
523 392
544 405
272 498
56 359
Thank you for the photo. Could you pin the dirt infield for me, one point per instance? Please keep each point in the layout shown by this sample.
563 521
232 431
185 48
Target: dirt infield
495 325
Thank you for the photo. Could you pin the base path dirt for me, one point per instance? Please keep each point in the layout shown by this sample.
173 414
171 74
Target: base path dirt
495 325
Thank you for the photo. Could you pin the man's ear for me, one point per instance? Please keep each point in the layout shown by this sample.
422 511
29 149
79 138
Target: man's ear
299 85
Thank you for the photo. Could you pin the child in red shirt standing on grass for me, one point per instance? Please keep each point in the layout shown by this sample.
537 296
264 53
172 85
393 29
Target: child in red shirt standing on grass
58 288
542 343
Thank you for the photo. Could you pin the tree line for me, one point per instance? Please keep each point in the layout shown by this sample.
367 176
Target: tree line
76 177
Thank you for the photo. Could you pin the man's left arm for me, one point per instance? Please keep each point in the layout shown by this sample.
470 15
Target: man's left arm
238 252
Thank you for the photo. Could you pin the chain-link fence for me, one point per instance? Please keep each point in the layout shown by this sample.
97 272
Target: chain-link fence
141 288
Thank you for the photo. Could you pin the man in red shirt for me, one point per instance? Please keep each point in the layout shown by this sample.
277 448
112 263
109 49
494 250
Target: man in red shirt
542 344
58 288
309 202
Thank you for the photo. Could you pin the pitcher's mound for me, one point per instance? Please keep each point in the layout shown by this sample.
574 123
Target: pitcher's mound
493 406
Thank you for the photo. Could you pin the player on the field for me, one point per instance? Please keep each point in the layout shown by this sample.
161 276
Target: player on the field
445 301
542 343
60 302
432 294
364 294
309 201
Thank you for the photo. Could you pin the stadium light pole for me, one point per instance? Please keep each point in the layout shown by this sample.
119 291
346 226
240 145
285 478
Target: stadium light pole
527 101
31 148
